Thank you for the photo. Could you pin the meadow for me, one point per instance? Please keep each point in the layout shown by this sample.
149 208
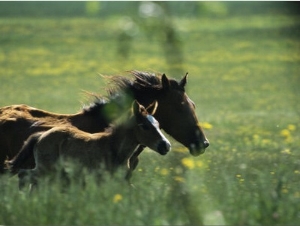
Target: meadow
244 80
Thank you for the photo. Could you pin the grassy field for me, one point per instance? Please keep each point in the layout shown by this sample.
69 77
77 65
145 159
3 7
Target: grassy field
244 79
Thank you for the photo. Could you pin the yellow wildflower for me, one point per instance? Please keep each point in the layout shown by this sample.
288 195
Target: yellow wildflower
286 151
289 139
180 149
179 179
256 137
285 133
206 125
291 127
117 198
199 163
164 172
266 141
188 163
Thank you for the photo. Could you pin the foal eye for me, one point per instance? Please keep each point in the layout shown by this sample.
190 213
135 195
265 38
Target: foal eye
144 127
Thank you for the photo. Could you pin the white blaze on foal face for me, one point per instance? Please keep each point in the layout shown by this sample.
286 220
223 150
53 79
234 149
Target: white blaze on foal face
151 136
153 121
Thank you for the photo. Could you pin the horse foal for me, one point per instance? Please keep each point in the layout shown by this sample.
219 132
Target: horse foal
112 148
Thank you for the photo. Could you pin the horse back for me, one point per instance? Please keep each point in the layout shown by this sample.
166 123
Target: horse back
25 111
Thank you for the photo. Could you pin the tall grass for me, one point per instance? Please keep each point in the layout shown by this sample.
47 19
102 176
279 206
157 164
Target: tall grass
244 79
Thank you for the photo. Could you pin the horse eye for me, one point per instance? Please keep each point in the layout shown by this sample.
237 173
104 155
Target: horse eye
194 105
192 102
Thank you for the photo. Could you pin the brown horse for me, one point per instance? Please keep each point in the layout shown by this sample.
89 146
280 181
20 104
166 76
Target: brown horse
112 148
175 113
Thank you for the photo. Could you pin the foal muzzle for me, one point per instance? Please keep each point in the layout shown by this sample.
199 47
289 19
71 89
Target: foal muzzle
163 147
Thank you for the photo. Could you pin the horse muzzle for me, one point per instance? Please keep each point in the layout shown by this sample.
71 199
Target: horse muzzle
198 148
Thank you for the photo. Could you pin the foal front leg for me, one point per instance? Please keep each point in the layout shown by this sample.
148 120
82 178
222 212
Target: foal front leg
27 176
133 162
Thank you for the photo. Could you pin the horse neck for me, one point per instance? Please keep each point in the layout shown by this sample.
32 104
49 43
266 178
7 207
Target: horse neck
123 141
97 117
90 120
146 97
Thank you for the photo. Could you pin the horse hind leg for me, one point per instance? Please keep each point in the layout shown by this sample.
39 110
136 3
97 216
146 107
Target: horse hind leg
64 180
24 176
27 177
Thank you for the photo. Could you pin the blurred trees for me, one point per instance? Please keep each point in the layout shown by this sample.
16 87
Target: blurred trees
106 8
154 20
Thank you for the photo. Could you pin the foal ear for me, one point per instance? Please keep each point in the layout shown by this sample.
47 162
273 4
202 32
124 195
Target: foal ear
151 109
183 81
136 107
165 82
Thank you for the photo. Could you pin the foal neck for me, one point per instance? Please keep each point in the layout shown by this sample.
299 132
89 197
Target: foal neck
123 141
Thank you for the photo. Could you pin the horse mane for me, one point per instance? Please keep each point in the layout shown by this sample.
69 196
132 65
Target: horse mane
147 80
143 86
143 81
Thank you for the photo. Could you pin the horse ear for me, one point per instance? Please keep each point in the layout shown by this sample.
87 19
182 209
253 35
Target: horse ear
165 82
151 109
183 81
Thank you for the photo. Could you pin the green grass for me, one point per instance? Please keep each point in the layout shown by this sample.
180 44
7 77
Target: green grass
244 79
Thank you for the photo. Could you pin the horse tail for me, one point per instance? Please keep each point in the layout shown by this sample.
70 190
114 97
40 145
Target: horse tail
25 153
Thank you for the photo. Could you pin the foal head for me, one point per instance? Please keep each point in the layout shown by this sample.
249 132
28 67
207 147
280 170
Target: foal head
147 130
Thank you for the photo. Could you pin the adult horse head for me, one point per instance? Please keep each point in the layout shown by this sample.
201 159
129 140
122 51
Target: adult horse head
177 116
175 111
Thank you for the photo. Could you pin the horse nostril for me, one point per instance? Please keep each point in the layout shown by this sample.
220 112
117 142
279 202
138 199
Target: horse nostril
206 143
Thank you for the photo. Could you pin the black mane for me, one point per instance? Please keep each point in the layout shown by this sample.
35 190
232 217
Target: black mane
145 87
152 82
98 103
143 81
